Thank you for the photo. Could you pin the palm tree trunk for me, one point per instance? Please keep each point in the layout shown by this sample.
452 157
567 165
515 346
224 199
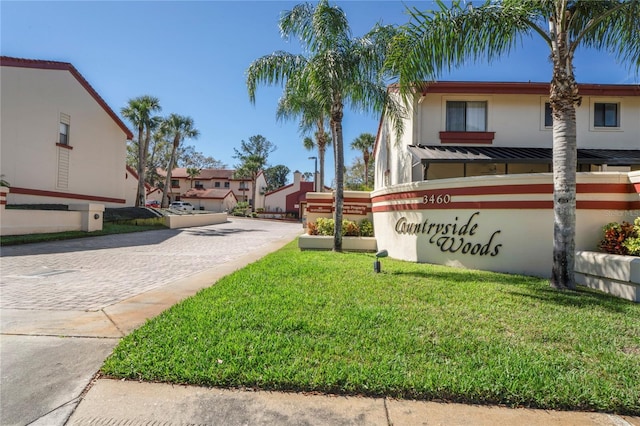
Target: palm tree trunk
564 98
172 161
321 152
336 118
365 158
140 194
254 179
564 197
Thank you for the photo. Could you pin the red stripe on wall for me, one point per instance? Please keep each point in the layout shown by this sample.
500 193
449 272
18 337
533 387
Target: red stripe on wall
346 200
319 201
608 188
467 205
608 205
54 194
617 188
506 205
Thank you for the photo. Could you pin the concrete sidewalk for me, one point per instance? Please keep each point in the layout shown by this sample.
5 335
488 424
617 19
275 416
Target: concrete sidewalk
112 402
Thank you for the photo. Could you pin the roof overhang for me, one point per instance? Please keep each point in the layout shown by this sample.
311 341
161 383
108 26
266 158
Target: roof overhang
493 154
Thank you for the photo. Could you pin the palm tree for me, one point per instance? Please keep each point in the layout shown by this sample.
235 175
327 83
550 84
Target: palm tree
337 69
435 41
139 112
364 143
178 128
311 117
193 172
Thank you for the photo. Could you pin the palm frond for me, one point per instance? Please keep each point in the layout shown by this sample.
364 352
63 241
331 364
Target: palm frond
272 69
435 41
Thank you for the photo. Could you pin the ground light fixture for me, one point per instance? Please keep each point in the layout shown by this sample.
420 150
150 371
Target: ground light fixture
377 267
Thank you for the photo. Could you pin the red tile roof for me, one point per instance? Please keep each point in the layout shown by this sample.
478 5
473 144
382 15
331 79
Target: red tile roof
217 194
7 61
520 88
205 174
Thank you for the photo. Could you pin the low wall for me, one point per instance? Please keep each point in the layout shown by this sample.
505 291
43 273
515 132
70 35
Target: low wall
80 217
194 219
614 274
357 206
496 223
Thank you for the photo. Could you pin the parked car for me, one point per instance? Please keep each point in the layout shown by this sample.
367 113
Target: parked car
152 203
181 205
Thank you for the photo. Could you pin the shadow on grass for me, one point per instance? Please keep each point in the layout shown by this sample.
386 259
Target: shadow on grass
527 287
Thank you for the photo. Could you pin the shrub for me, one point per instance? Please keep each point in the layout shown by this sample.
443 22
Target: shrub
350 228
312 228
632 243
615 235
366 228
325 226
240 209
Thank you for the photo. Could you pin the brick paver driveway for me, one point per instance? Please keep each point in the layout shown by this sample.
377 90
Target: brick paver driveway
89 274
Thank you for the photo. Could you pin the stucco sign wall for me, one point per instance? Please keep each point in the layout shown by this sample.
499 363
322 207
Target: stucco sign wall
502 223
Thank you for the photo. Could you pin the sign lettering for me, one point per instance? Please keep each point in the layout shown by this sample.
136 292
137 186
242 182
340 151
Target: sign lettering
452 237
319 209
354 209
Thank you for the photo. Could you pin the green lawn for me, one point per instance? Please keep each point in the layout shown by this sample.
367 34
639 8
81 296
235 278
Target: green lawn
323 321
107 229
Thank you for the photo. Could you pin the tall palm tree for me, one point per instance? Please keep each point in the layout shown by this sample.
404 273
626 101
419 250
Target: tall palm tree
312 117
435 41
178 128
336 69
139 111
193 172
364 143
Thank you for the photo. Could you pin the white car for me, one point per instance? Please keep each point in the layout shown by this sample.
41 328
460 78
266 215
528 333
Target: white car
181 205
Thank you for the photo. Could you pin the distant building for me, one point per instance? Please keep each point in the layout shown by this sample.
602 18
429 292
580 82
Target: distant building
290 198
218 179
214 200
61 143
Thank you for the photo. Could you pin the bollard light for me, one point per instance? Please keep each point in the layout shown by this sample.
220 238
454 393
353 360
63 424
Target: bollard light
377 266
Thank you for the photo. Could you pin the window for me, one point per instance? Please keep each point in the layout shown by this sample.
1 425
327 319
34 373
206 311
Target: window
548 117
466 116
606 115
217 184
63 133
226 184
175 183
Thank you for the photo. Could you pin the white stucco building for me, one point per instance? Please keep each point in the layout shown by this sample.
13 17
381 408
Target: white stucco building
60 142
457 129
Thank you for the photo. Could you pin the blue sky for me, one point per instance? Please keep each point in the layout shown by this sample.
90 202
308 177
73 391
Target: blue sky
192 55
